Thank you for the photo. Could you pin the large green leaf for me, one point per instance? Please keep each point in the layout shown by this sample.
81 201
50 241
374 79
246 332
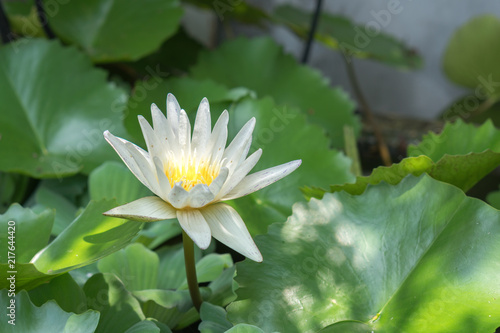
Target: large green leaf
51 124
339 33
119 309
261 65
47 318
89 238
17 225
64 290
113 180
111 30
65 210
416 257
135 265
471 57
463 171
276 131
458 138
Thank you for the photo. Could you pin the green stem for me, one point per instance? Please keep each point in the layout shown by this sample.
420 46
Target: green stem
192 281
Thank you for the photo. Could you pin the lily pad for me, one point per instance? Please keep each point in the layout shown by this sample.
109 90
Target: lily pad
261 65
339 33
114 30
276 129
471 57
416 257
47 318
61 122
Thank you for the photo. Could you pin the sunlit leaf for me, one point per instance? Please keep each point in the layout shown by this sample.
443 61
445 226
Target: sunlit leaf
113 30
60 119
416 257
90 237
261 65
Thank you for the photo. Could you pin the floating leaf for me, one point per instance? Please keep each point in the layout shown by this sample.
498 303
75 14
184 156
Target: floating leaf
416 257
471 57
112 30
47 318
339 33
261 65
61 122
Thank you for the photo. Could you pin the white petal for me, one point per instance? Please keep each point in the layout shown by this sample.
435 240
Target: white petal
199 196
194 224
218 182
145 165
178 196
218 138
261 179
119 145
184 132
240 173
147 209
163 183
162 128
240 140
227 226
173 112
152 143
202 127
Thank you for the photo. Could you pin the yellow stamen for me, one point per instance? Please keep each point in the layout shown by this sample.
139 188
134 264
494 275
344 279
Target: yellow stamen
190 171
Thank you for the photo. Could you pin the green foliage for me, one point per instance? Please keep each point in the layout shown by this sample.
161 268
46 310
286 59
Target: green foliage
261 65
114 30
46 318
418 256
279 127
339 33
458 139
62 134
387 253
463 171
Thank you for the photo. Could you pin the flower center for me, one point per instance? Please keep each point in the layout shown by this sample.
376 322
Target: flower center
190 171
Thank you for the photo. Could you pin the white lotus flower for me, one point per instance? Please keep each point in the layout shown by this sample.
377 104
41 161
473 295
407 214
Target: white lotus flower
192 174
